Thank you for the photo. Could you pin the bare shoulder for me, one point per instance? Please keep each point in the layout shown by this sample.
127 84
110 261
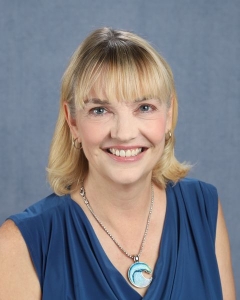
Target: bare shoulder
223 254
18 279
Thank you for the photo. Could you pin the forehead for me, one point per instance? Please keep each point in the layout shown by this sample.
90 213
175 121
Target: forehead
121 84
111 88
101 97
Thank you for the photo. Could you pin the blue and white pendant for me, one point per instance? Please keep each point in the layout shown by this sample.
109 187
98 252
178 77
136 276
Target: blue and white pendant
135 275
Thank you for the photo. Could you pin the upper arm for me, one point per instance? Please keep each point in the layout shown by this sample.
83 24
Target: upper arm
18 278
224 257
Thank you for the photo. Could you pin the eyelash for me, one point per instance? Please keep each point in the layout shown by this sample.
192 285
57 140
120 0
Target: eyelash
151 107
95 110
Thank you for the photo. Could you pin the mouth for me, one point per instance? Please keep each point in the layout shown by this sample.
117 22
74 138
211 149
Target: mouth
126 153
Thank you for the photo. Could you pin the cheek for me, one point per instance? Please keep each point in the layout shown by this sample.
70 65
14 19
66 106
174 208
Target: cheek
91 133
157 130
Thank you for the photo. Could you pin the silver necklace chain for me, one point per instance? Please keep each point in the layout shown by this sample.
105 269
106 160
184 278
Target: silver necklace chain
134 257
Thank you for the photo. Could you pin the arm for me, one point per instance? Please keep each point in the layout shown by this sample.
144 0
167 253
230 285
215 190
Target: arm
18 278
224 258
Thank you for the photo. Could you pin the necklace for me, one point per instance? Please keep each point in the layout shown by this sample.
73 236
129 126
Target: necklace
135 275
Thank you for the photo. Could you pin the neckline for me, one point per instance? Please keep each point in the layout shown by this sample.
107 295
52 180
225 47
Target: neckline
107 262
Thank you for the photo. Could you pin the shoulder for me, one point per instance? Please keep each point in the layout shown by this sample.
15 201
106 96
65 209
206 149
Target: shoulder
34 220
42 209
197 190
200 191
11 241
35 226
48 203
9 235
200 201
18 279
196 184
223 253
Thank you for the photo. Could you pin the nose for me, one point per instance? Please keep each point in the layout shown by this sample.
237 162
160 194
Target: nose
124 128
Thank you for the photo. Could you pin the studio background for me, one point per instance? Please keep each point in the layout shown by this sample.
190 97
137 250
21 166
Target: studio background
199 39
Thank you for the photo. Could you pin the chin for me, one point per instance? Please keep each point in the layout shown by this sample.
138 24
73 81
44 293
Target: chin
126 179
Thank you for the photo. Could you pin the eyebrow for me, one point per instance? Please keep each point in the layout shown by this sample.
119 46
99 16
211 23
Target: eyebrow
102 102
141 99
96 101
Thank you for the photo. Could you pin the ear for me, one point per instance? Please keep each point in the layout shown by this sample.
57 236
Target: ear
71 121
170 115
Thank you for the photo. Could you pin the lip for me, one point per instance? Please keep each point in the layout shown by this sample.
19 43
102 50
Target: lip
126 159
119 147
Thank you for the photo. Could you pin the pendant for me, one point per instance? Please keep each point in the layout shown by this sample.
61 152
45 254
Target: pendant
135 275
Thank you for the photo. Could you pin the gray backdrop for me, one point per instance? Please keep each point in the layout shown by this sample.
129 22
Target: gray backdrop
199 39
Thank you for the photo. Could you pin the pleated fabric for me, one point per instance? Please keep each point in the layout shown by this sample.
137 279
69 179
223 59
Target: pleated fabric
71 264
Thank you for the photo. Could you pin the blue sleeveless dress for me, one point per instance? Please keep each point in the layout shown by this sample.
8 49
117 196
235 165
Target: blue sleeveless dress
71 263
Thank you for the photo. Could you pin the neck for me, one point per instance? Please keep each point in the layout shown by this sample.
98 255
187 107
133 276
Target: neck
109 199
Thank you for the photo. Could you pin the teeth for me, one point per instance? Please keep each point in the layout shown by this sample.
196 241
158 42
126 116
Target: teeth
125 153
128 153
122 153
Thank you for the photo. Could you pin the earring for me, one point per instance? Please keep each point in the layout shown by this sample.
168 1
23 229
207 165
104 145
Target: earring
75 145
168 135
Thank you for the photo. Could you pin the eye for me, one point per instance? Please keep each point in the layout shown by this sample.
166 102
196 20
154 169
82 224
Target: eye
98 111
146 108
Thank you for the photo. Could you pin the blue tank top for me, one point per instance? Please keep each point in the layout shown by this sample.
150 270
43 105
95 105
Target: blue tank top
71 264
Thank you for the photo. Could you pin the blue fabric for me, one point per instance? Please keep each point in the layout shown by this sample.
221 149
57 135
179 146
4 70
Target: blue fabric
71 263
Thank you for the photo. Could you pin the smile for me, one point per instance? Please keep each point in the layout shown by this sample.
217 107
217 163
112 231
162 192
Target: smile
125 153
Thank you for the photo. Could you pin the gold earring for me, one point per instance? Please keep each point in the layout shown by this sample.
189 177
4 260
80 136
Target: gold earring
75 145
168 135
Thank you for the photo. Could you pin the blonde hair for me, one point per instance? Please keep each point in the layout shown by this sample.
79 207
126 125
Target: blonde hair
127 68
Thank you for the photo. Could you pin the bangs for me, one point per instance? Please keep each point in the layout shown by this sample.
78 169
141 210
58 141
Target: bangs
123 74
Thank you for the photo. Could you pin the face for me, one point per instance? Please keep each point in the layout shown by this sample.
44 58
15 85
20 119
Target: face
122 141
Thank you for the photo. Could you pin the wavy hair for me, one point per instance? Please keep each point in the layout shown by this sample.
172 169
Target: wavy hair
127 67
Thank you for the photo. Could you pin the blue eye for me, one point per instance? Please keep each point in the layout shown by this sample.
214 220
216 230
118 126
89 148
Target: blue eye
145 108
98 111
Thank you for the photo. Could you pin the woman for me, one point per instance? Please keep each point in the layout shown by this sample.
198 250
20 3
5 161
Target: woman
123 222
